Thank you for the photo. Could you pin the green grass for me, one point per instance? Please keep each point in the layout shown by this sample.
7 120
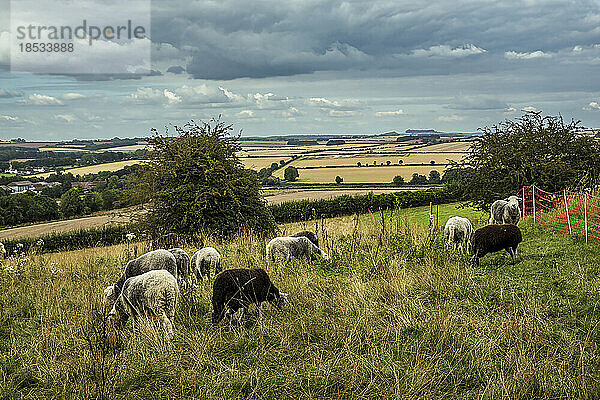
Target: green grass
393 314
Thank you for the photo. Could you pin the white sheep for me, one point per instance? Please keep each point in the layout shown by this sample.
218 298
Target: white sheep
130 237
280 249
204 262
505 211
458 232
183 265
153 293
153 260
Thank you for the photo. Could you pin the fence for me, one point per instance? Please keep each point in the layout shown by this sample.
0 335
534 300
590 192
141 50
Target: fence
574 213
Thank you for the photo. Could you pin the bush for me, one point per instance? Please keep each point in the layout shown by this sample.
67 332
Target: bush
71 203
398 180
290 174
293 211
195 183
339 179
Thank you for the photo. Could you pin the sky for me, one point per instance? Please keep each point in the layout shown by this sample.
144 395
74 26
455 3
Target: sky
274 67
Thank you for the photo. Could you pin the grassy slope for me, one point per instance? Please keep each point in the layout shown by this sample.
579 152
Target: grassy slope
392 315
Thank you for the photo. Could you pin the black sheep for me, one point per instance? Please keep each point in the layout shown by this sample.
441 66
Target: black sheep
492 238
309 235
238 288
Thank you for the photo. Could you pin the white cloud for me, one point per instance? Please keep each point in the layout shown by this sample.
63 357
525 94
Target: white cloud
340 113
389 113
9 118
593 106
445 51
246 114
347 104
5 93
451 118
513 55
529 109
72 96
68 118
37 99
146 95
292 112
510 109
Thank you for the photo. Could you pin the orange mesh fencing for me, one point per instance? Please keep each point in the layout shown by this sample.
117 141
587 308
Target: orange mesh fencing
573 213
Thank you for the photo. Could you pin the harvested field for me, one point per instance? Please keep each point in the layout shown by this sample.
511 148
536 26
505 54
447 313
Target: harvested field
258 163
310 194
362 174
94 169
115 217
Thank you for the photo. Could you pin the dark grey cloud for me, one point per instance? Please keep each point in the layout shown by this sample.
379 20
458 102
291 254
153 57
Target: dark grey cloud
271 38
176 69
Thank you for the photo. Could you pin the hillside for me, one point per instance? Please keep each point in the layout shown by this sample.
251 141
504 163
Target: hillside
392 314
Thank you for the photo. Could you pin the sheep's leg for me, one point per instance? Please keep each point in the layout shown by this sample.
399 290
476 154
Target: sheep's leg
511 252
167 325
475 260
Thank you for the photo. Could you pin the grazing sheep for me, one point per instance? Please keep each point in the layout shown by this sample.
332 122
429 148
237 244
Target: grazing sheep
458 232
154 260
204 261
183 265
492 238
506 211
238 288
153 293
309 235
168 241
282 248
130 237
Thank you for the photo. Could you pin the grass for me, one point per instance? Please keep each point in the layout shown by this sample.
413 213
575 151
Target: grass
393 314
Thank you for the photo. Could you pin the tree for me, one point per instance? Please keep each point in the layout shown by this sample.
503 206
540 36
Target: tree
532 149
434 177
358 164
339 179
93 202
398 180
71 203
194 183
274 166
400 161
388 162
281 163
418 179
290 174
432 162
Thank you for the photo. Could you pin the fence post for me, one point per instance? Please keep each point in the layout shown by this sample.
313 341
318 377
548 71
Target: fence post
533 196
585 216
567 208
524 203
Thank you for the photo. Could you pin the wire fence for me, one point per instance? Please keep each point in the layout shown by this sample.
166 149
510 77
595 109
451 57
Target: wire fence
573 213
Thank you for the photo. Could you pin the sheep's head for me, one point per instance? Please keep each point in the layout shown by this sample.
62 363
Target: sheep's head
325 255
108 299
277 298
117 318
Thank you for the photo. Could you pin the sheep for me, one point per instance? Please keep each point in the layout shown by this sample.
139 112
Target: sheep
153 293
168 241
130 237
458 232
239 288
493 238
282 248
309 235
506 211
154 260
204 261
183 265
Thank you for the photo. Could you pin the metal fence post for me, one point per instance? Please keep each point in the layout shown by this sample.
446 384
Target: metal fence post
585 216
524 203
567 209
533 196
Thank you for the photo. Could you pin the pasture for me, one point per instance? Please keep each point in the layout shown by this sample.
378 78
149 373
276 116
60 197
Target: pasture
393 314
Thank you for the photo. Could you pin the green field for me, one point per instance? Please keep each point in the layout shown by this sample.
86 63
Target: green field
393 314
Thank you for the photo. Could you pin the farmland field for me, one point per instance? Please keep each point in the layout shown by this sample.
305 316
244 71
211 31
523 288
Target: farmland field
258 163
361 174
94 169
392 314
115 217
407 158
314 194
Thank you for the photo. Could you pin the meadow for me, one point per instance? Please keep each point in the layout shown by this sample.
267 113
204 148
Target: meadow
393 314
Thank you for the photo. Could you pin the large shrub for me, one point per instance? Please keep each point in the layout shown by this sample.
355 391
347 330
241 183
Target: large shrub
530 150
194 183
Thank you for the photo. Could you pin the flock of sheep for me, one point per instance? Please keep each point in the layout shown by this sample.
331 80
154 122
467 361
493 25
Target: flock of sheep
501 233
149 284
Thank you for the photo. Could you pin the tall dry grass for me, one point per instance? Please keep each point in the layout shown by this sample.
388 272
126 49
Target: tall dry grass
393 314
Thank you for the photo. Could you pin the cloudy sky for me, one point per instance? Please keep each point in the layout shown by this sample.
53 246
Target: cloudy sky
324 66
